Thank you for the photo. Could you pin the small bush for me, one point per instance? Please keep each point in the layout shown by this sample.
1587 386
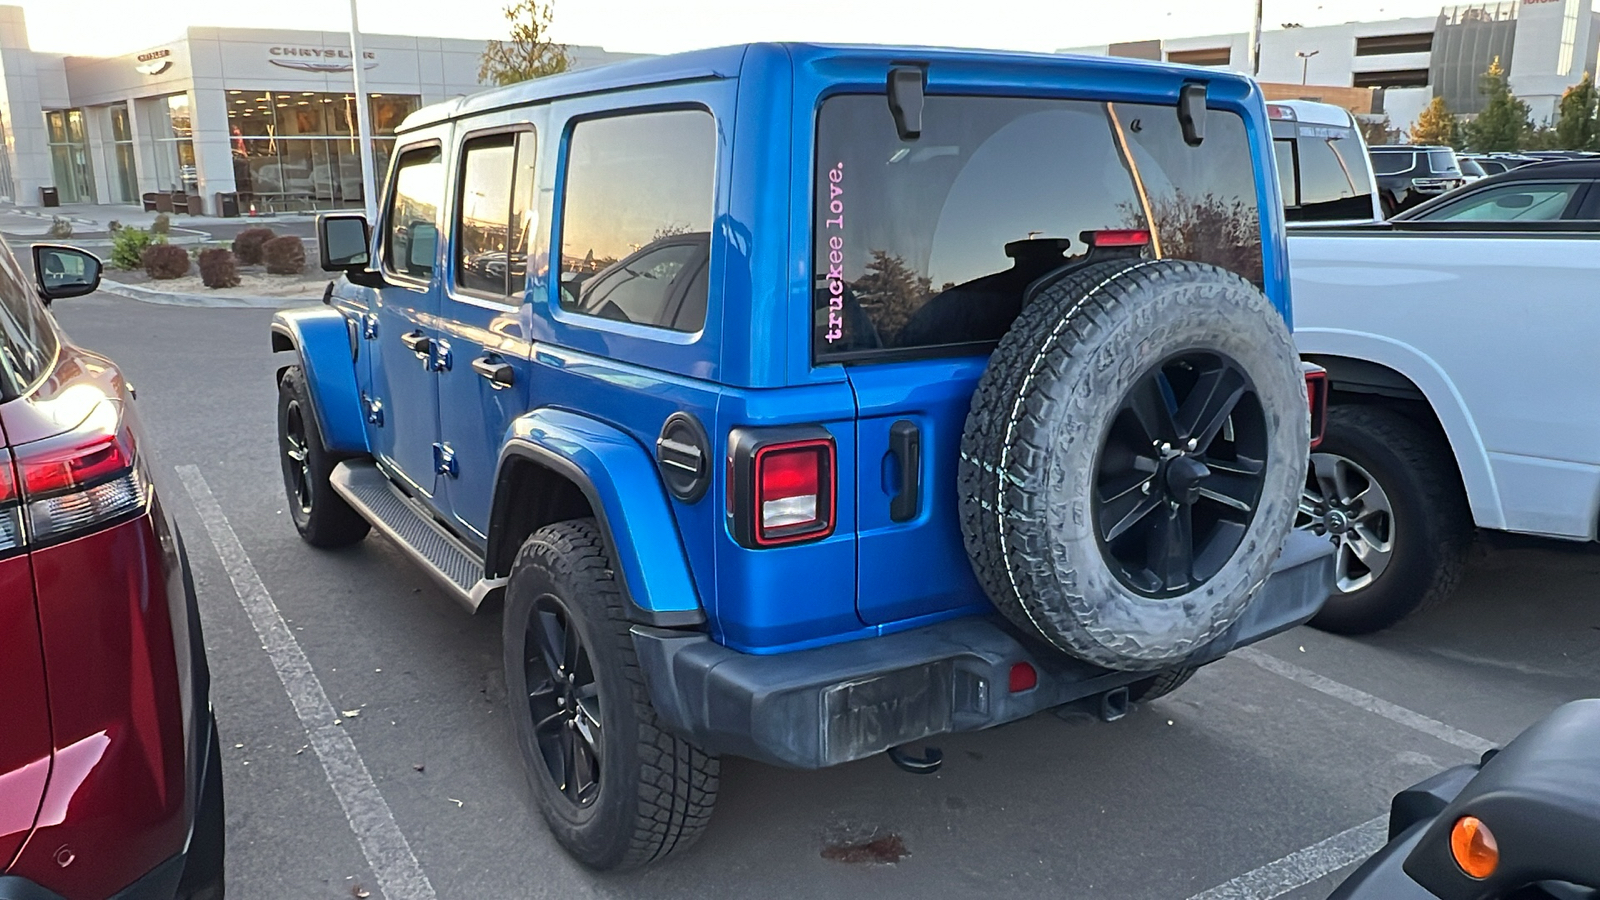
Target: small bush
284 255
247 245
113 226
162 224
128 246
163 261
218 269
60 227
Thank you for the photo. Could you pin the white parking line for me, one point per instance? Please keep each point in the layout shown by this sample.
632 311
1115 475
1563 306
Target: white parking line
1302 867
1363 700
393 864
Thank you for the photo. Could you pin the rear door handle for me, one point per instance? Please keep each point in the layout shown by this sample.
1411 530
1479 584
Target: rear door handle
417 343
500 374
905 442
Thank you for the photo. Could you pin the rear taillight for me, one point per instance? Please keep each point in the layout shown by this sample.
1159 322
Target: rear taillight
1317 399
782 485
75 482
10 507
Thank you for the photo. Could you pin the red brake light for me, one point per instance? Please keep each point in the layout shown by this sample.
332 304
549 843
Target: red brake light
1317 400
10 513
66 468
80 480
1113 237
794 493
8 481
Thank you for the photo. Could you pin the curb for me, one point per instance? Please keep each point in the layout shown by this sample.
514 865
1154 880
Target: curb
203 301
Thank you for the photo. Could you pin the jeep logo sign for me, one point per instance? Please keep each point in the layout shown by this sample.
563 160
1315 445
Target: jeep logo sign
317 59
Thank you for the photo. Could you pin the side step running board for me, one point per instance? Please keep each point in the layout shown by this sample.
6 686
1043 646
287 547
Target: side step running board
452 564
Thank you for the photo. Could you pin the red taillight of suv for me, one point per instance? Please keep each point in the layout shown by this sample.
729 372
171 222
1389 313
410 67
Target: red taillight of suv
1317 399
782 485
10 507
74 482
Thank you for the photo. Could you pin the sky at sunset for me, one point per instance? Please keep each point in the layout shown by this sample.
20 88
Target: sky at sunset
104 27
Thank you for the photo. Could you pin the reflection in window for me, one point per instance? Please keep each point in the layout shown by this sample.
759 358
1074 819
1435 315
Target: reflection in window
1509 203
1333 175
636 218
933 243
494 222
412 231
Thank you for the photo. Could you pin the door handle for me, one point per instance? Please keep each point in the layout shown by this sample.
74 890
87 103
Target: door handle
417 343
905 442
500 374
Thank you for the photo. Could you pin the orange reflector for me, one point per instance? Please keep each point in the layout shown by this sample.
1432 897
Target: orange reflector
1023 678
1474 847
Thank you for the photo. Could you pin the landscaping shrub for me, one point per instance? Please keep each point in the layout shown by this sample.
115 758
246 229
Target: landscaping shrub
284 255
218 269
247 245
128 246
60 227
162 224
163 261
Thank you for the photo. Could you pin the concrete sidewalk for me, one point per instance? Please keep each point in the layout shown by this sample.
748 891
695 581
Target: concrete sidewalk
98 217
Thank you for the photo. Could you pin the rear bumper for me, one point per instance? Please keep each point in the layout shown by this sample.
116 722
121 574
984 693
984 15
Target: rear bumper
815 708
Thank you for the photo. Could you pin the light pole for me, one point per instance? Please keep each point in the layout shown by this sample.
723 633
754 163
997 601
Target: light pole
363 118
1305 63
1255 42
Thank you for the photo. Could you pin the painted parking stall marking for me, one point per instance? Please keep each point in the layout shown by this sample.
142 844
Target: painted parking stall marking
394 866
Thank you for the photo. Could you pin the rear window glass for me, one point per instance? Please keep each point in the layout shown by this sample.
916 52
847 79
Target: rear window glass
929 245
1392 163
1443 162
1334 180
27 342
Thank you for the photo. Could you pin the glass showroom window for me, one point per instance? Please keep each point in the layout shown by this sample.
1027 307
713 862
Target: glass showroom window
121 156
69 155
296 150
173 130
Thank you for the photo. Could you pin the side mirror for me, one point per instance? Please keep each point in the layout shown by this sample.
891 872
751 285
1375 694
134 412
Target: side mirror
343 242
63 272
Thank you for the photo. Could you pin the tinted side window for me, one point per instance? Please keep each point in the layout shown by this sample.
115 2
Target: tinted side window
493 219
411 233
1334 178
636 217
27 340
933 243
1392 163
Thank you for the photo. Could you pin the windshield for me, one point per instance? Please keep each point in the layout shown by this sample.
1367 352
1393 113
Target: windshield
27 341
932 243
1471 167
1392 162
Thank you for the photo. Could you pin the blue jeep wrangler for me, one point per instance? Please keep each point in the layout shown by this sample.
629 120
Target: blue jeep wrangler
801 402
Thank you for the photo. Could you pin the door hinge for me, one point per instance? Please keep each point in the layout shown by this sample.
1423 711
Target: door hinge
441 356
444 460
369 327
374 410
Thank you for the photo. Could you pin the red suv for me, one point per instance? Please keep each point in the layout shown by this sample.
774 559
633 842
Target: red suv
110 775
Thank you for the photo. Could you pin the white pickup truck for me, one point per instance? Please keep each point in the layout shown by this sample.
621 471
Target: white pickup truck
1459 340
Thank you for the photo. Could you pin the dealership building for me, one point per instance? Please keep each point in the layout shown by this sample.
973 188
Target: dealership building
264 116
1546 46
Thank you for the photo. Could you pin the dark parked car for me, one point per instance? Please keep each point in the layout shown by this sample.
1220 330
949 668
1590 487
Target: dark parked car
1554 191
1409 176
110 776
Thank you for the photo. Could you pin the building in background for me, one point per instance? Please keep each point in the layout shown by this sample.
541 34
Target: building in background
1545 45
267 115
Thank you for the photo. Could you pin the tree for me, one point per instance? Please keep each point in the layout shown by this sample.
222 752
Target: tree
1380 131
529 53
1504 123
1437 125
1576 125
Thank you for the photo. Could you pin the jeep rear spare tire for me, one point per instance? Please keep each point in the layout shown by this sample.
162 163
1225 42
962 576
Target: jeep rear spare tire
1133 460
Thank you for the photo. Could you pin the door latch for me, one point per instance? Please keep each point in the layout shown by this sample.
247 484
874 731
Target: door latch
444 460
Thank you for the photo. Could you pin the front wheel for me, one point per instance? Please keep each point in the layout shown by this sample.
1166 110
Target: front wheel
321 516
1386 493
616 788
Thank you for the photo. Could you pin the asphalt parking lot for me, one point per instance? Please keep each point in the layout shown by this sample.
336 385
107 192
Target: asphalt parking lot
1269 768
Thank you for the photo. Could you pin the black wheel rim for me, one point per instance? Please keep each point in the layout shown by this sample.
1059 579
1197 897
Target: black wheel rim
563 701
296 457
1180 474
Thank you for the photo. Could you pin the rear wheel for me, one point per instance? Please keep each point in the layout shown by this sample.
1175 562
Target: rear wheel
616 788
1386 492
321 516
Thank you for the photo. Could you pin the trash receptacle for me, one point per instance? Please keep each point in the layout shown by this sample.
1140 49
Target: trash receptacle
227 205
49 196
